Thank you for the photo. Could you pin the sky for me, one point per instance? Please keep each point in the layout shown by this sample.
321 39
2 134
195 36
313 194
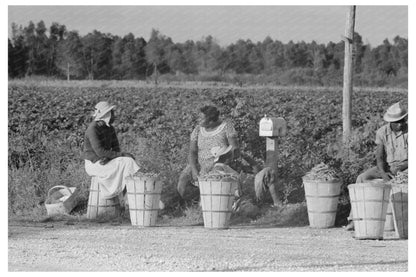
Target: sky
227 24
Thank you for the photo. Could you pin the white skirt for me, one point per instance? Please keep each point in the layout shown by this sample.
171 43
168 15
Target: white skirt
111 175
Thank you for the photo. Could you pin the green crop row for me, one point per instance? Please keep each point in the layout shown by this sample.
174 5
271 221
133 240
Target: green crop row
47 124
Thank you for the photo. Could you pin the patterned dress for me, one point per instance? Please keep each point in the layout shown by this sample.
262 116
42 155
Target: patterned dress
208 139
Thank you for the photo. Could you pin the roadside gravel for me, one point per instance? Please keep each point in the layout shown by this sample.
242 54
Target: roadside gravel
85 246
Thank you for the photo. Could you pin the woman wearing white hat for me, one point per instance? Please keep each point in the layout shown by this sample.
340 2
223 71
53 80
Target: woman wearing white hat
102 155
392 149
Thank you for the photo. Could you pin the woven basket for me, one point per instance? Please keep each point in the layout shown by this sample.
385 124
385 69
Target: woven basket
217 196
58 208
143 194
322 201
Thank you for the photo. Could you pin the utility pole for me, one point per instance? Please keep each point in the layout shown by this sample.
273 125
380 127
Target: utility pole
348 70
92 65
67 72
155 72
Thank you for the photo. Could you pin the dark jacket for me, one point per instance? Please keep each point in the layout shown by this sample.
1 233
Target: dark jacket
100 141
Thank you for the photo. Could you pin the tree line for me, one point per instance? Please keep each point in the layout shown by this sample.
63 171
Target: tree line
61 53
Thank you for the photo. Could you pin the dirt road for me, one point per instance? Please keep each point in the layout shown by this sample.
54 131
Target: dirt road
57 246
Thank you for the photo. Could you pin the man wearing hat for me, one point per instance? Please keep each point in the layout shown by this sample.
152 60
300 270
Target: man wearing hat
392 148
102 155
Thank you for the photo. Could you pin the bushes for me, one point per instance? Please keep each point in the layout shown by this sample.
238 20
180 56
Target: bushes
155 123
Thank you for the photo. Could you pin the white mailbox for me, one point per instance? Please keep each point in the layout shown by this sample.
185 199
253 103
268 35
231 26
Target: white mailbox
272 127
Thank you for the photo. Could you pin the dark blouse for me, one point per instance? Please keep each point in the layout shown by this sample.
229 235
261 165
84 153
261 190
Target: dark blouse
100 141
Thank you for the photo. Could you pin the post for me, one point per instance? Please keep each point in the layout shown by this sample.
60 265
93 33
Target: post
272 128
271 152
155 72
92 65
271 162
67 72
348 70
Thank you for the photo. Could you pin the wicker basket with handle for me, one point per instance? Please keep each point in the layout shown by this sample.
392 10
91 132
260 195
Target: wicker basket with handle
55 208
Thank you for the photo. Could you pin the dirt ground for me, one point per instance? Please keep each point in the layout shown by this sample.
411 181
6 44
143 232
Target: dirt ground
87 246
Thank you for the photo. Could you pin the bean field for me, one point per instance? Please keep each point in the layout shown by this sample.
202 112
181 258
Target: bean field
46 126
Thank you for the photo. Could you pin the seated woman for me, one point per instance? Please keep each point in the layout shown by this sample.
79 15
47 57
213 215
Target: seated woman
211 131
102 155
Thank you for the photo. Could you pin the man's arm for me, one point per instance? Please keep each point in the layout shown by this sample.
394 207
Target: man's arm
401 167
381 162
253 164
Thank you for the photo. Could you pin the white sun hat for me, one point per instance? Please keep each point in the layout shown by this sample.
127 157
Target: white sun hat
218 151
102 108
395 113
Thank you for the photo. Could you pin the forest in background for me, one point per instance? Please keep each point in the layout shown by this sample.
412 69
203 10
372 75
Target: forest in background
35 50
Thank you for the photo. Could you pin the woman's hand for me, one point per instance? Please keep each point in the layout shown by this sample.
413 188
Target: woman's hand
195 173
236 152
124 154
104 160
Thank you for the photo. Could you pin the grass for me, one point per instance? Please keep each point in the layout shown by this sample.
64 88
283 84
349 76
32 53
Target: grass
190 216
287 215
28 202
50 82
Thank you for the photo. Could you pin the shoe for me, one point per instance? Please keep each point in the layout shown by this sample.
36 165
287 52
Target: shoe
236 205
350 226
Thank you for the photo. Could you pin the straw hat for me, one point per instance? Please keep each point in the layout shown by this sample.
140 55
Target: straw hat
218 151
102 108
395 112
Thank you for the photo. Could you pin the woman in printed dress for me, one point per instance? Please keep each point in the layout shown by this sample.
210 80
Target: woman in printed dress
210 132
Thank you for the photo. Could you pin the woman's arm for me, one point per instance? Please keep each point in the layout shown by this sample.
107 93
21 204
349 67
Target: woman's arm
115 145
193 158
235 148
231 135
96 141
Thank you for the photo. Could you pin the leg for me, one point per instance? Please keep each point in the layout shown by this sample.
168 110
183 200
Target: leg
112 174
184 179
275 195
369 174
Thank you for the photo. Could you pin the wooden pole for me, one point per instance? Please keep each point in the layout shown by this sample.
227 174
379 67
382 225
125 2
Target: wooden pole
67 72
271 152
348 70
271 162
155 72
92 65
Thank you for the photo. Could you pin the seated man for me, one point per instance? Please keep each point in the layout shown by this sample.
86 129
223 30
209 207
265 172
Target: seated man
392 148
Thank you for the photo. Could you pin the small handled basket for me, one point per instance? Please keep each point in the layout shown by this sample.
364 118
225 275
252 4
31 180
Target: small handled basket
58 207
